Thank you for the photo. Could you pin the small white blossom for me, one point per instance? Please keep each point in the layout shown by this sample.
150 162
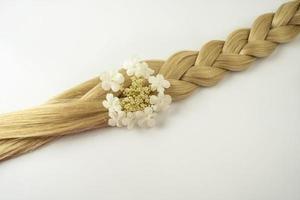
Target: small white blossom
146 118
130 120
116 118
111 80
112 103
161 102
158 83
137 68
130 66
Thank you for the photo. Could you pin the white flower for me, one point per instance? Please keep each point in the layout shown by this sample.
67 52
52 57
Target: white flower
116 118
111 80
130 65
161 102
112 103
137 68
158 83
130 120
146 118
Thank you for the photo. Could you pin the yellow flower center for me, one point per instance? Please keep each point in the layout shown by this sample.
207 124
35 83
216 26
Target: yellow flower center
137 96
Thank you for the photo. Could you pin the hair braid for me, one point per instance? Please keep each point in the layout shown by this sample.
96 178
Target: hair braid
78 109
189 69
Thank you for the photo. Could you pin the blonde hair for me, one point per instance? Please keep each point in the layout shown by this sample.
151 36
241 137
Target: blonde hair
80 109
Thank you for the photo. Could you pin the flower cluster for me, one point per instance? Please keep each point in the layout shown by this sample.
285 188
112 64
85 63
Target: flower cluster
140 102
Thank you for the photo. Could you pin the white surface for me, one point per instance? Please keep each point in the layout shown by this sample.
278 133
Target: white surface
235 141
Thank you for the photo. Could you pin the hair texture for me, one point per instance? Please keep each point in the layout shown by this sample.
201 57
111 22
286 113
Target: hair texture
79 109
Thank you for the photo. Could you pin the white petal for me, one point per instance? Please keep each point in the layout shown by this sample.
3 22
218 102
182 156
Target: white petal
151 79
105 86
119 124
139 114
119 78
148 110
154 99
105 104
130 63
130 125
130 71
116 108
109 97
153 88
151 123
142 123
160 89
112 114
166 84
121 114
111 122
168 99
159 77
143 64
128 122
130 116
150 72
115 87
115 100
138 73
104 76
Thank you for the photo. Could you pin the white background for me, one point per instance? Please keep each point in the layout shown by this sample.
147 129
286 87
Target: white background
238 140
